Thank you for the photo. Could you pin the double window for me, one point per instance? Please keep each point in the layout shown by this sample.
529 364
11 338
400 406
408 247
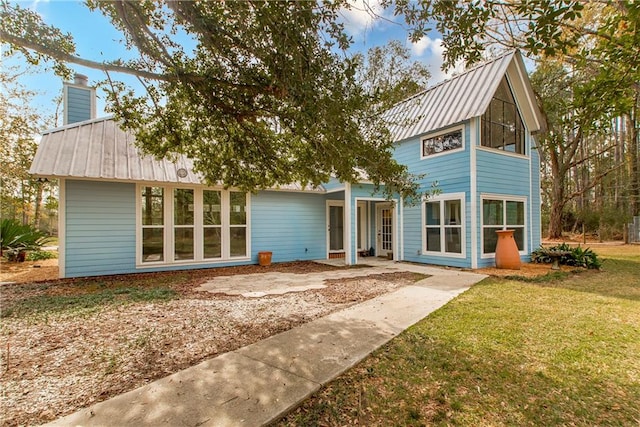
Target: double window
502 126
189 224
502 214
444 226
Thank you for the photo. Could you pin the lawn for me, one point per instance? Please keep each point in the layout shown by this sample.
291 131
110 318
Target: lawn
506 352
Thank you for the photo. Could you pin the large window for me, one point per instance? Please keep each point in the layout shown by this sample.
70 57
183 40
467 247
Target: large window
443 226
191 225
502 126
502 214
152 212
441 143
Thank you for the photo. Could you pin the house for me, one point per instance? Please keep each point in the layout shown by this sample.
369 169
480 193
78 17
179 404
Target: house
121 212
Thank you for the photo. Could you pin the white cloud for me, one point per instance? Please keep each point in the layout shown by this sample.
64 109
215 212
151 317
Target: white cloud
362 16
431 51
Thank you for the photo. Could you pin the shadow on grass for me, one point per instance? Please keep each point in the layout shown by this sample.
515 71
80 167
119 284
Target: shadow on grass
54 304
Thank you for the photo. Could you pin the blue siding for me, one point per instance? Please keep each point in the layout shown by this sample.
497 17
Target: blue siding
333 184
78 104
507 175
291 225
453 174
499 173
100 228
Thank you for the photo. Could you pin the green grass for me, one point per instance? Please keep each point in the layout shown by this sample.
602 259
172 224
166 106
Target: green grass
84 303
560 352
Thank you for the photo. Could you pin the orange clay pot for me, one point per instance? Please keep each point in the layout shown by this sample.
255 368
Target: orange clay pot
507 255
264 258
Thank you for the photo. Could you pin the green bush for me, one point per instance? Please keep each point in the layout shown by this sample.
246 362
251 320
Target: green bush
38 255
575 256
16 238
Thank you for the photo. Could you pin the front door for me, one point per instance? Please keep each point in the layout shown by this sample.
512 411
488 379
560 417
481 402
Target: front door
335 227
384 229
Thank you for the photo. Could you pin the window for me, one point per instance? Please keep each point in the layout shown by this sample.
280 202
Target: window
502 214
443 226
238 224
152 224
183 224
441 143
191 225
212 224
502 126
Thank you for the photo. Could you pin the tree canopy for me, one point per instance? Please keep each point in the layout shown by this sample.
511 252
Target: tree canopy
260 93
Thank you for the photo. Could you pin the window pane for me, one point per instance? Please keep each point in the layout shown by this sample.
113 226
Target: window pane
452 212
212 242
497 136
490 239
453 240
515 213
433 239
238 241
183 207
238 208
152 206
492 212
211 211
432 213
440 143
183 243
152 244
518 235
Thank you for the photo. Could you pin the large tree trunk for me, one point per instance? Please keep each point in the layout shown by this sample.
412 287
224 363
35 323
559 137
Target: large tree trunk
558 200
634 171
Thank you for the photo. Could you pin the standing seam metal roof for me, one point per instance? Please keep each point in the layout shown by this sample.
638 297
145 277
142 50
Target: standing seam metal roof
460 98
100 149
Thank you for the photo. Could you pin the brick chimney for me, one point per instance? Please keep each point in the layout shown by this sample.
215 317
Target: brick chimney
79 100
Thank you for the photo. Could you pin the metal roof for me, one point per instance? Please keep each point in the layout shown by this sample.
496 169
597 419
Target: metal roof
460 98
100 149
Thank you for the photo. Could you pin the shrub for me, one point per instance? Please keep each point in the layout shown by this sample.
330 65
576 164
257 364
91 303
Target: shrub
38 255
16 238
575 256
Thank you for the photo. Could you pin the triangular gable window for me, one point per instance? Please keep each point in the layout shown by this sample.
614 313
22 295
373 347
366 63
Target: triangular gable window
502 126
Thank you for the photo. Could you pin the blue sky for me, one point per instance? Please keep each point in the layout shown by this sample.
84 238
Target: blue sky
97 40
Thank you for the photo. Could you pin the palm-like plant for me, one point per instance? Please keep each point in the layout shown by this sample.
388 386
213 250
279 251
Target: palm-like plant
15 237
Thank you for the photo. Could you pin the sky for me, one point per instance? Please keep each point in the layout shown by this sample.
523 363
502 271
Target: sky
98 40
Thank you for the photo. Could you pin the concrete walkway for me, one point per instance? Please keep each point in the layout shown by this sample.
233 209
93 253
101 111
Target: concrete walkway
256 384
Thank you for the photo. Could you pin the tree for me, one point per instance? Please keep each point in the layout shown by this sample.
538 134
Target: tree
387 73
266 97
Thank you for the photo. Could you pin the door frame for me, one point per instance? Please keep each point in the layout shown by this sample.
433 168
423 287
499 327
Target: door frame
379 207
328 226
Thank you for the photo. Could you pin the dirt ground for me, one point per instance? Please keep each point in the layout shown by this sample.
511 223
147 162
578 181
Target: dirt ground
55 362
28 271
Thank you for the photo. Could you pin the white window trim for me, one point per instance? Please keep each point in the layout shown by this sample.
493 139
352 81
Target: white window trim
503 198
463 219
443 132
198 227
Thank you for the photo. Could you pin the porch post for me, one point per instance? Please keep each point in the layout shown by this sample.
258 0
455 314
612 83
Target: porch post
348 235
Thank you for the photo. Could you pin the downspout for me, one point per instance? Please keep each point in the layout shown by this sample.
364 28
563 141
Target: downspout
347 225
401 230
